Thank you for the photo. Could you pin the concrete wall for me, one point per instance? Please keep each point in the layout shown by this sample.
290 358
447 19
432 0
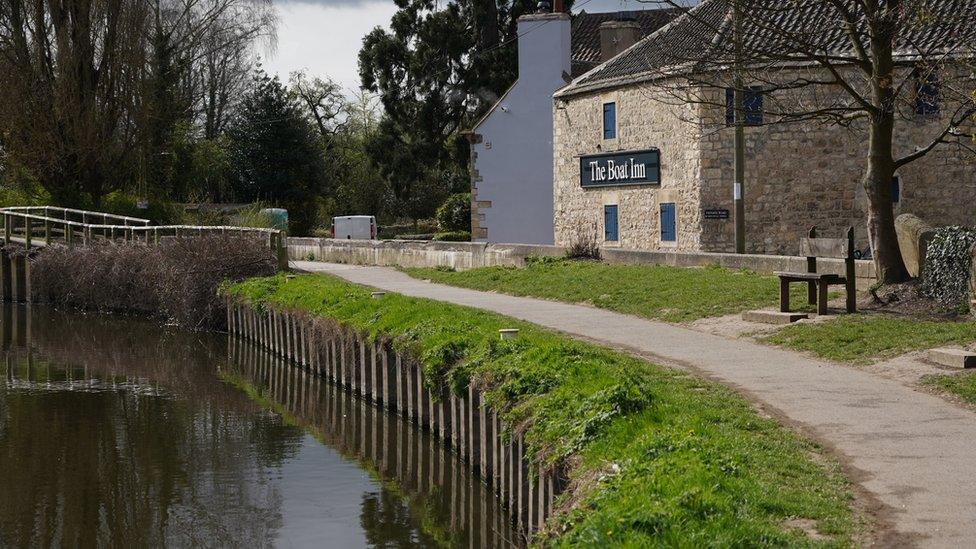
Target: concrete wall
469 255
417 253
511 151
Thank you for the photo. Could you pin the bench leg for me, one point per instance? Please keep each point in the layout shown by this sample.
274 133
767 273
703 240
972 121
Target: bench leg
811 292
851 298
822 298
784 295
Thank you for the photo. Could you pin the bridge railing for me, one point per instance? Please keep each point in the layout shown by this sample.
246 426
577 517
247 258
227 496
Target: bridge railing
81 216
33 229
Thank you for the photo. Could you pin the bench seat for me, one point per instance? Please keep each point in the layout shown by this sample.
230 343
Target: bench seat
826 277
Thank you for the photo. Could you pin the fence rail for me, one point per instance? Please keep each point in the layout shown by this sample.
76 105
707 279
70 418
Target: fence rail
34 225
82 216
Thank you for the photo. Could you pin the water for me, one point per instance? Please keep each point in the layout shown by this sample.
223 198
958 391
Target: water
119 432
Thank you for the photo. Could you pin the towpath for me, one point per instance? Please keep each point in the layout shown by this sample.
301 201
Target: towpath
914 454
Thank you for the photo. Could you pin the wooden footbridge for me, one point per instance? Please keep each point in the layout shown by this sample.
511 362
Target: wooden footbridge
40 226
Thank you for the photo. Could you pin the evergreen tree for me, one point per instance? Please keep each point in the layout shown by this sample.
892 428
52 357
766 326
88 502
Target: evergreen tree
276 155
436 71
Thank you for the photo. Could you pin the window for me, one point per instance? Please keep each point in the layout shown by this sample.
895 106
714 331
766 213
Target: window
609 120
895 190
669 232
752 106
926 95
610 223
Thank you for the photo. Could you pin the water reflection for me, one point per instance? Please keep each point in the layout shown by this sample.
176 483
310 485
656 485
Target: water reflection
456 509
120 432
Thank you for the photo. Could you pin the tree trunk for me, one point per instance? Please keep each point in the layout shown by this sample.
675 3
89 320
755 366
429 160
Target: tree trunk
888 264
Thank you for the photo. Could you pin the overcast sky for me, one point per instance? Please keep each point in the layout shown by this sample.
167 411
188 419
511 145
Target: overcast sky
324 36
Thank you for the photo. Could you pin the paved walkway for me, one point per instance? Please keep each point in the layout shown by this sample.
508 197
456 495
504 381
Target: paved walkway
912 452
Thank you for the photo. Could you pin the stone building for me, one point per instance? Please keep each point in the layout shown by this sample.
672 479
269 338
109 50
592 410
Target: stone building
511 146
626 113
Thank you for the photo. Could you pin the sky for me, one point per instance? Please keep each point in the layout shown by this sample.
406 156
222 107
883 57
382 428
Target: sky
323 37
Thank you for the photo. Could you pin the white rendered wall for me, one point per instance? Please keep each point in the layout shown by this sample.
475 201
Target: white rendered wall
514 156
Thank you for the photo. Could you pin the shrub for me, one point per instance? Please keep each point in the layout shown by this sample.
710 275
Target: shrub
455 213
453 236
947 266
584 244
176 279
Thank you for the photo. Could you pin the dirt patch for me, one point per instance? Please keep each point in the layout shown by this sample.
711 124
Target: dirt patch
807 526
906 299
734 327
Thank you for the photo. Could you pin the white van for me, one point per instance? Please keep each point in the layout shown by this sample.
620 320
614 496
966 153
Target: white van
354 227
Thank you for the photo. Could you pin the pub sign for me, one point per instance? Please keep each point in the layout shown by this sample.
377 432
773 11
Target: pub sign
621 168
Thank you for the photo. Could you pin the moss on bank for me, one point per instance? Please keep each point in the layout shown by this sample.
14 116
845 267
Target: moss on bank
657 457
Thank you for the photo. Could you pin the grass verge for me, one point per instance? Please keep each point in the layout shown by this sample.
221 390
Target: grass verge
655 456
962 385
674 294
860 339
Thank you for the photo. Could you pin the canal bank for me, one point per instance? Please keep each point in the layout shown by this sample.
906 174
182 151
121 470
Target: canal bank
638 454
122 432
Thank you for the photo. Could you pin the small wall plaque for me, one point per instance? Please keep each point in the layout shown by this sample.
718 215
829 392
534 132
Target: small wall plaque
716 213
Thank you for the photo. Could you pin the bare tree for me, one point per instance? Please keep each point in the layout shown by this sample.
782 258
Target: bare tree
86 81
325 103
865 65
68 91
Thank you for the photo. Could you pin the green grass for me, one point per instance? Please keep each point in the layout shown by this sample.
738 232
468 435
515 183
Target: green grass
962 385
674 294
863 338
658 457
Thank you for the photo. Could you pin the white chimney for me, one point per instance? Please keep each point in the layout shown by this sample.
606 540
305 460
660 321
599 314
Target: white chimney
544 47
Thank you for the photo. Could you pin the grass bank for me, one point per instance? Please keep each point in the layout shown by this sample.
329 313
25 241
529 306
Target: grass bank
861 339
655 456
674 294
963 385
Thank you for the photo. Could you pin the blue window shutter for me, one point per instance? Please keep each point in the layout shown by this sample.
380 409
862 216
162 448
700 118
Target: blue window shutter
752 106
609 120
610 223
669 232
927 95
895 189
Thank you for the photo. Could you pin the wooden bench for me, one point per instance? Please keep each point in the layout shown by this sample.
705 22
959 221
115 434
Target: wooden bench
818 283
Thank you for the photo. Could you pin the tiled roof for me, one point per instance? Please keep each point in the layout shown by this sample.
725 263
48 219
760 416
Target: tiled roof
586 32
704 35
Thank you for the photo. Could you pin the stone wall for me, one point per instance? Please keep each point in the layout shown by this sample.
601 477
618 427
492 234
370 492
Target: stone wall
469 255
797 174
645 120
803 174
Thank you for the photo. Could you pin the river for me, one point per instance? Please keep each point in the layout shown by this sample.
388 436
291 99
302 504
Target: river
122 432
